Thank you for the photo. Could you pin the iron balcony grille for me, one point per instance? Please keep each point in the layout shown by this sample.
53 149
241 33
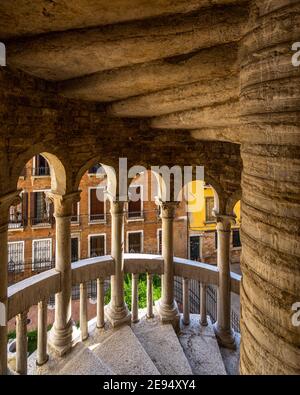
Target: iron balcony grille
97 217
44 220
135 215
211 301
17 222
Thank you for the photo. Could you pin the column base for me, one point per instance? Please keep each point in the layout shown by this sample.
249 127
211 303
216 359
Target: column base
168 314
61 340
226 338
117 316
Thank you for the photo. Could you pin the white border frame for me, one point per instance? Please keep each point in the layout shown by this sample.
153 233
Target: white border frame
97 221
18 242
32 249
89 242
142 239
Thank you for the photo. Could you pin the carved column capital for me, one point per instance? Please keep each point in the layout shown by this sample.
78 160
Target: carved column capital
168 209
224 221
63 203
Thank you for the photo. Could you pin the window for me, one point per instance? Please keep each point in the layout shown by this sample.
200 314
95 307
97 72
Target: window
159 241
134 242
18 214
75 212
96 205
41 209
97 245
209 205
16 256
236 240
195 248
135 207
41 166
74 249
42 254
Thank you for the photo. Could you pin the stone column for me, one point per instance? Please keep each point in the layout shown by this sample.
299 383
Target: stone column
60 337
222 327
5 202
116 311
167 307
269 79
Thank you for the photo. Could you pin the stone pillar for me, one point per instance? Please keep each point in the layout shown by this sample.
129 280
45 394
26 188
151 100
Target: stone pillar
222 327
167 307
270 338
60 336
5 202
116 311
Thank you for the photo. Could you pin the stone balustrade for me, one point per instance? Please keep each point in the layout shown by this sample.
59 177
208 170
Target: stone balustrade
38 289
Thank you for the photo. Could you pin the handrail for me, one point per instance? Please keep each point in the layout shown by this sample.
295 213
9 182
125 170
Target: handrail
29 292
36 290
142 263
92 268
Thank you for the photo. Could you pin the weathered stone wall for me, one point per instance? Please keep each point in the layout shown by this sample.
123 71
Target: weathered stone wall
35 119
271 190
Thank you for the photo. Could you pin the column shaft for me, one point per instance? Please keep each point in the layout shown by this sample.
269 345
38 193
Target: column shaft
117 312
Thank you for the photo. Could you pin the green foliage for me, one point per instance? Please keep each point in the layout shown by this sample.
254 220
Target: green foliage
32 339
142 290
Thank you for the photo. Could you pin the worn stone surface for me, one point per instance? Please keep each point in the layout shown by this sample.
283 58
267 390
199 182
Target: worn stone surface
124 354
231 358
201 347
162 345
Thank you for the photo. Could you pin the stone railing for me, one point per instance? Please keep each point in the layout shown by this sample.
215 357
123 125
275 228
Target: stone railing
37 290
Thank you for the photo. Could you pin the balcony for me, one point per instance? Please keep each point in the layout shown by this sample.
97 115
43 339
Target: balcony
42 221
154 348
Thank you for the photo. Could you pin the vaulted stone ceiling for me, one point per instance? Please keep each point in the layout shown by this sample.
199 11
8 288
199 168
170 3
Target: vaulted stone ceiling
172 62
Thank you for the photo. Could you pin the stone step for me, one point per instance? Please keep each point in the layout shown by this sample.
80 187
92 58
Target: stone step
79 361
162 345
123 353
201 347
85 362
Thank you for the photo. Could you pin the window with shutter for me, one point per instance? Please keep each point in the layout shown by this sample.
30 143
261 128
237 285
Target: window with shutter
209 205
97 245
75 212
96 205
135 242
236 240
159 241
41 166
74 249
134 207
41 209
16 215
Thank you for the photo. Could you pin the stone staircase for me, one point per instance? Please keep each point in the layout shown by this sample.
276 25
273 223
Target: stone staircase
145 348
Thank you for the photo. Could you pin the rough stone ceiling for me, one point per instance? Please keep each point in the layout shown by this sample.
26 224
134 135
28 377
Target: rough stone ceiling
172 62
